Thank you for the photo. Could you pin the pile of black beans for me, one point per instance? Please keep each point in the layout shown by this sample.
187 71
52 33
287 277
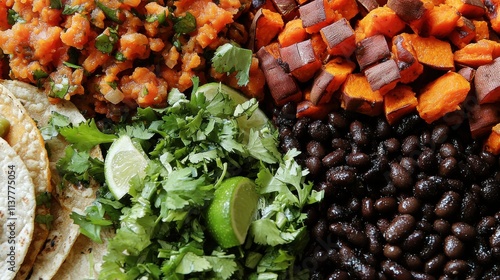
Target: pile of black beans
407 201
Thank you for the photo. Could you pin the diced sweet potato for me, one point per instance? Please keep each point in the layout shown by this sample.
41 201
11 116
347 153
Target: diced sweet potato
381 20
468 8
367 5
482 118
442 96
358 96
482 30
287 8
493 13
464 33
406 58
282 86
399 102
439 21
306 109
407 10
492 144
339 38
293 33
371 50
475 54
486 82
383 76
432 52
316 15
301 60
345 8
319 47
329 79
468 73
265 27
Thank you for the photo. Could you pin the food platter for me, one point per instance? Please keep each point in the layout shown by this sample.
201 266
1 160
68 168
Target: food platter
277 139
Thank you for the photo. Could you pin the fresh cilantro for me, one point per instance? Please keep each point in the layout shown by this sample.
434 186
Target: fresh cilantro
86 135
45 220
111 14
161 18
185 24
106 41
39 74
229 58
71 65
59 89
56 4
69 10
13 17
44 198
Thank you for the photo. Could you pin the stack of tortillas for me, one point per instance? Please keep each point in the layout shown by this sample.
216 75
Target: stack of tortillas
54 251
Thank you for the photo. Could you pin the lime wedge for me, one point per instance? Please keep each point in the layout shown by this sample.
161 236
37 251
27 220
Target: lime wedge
231 211
123 161
256 121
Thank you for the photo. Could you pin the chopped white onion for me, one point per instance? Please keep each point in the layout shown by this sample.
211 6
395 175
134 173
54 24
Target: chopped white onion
115 96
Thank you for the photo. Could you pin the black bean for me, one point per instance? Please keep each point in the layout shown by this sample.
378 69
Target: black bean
413 261
392 145
319 131
400 227
482 251
338 120
367 209
426 138
354 204
338 275
354 264
456 268
410 164
477 165
409 205
395 270
435 264
400 176
382 129
300 128
289 110
319 230
285 131
490 192
427 160
432 244
314 165
383 225
326 187
357 159
486 225
448 205
421 276
447 150
336 212
425 189
488 158
385 204
442 227
448 167
392 252
463 231
468 209
374 239
414 241
289 143
424 225
359 134
495 238
315 149
340 143
334 158
341 176
320 256
410 146
440 134
453 247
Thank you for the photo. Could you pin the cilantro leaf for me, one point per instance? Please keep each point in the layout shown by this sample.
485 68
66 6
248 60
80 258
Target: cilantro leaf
185 24
86 135
229 58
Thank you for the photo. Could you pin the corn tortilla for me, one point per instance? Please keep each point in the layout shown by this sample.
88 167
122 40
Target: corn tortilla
17 211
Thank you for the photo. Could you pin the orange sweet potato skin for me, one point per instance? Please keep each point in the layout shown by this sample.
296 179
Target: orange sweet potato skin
442 96
357 96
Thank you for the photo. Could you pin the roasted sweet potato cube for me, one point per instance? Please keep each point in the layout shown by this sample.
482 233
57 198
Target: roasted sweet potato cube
475 54
407 10
293 33
482 30
287 8
301 60
357 96
316 15
487 83
344 8
493 13
468 8
468 73
482 118
492 144
381 20
406 59
306 109
265 26
367 6
464 33
399 102
339 38
329 79
442 96
383 76
282 85
371 50
432 52
439 21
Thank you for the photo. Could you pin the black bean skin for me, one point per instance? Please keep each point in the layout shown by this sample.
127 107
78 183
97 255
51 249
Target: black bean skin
300 128
410 146
337 120
395 271
455 268
314 165
453 247
354 264
409 205
448 150
374 238
400 227
385 204
414 241
421 276
318 131
392 252
367 207
289 143
440 134
315 149
486 225
463 231
427 160
334 158
357 159
341 176
400 176
448 205
413 261
448 167
434 265
339 275
442 227
432 244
